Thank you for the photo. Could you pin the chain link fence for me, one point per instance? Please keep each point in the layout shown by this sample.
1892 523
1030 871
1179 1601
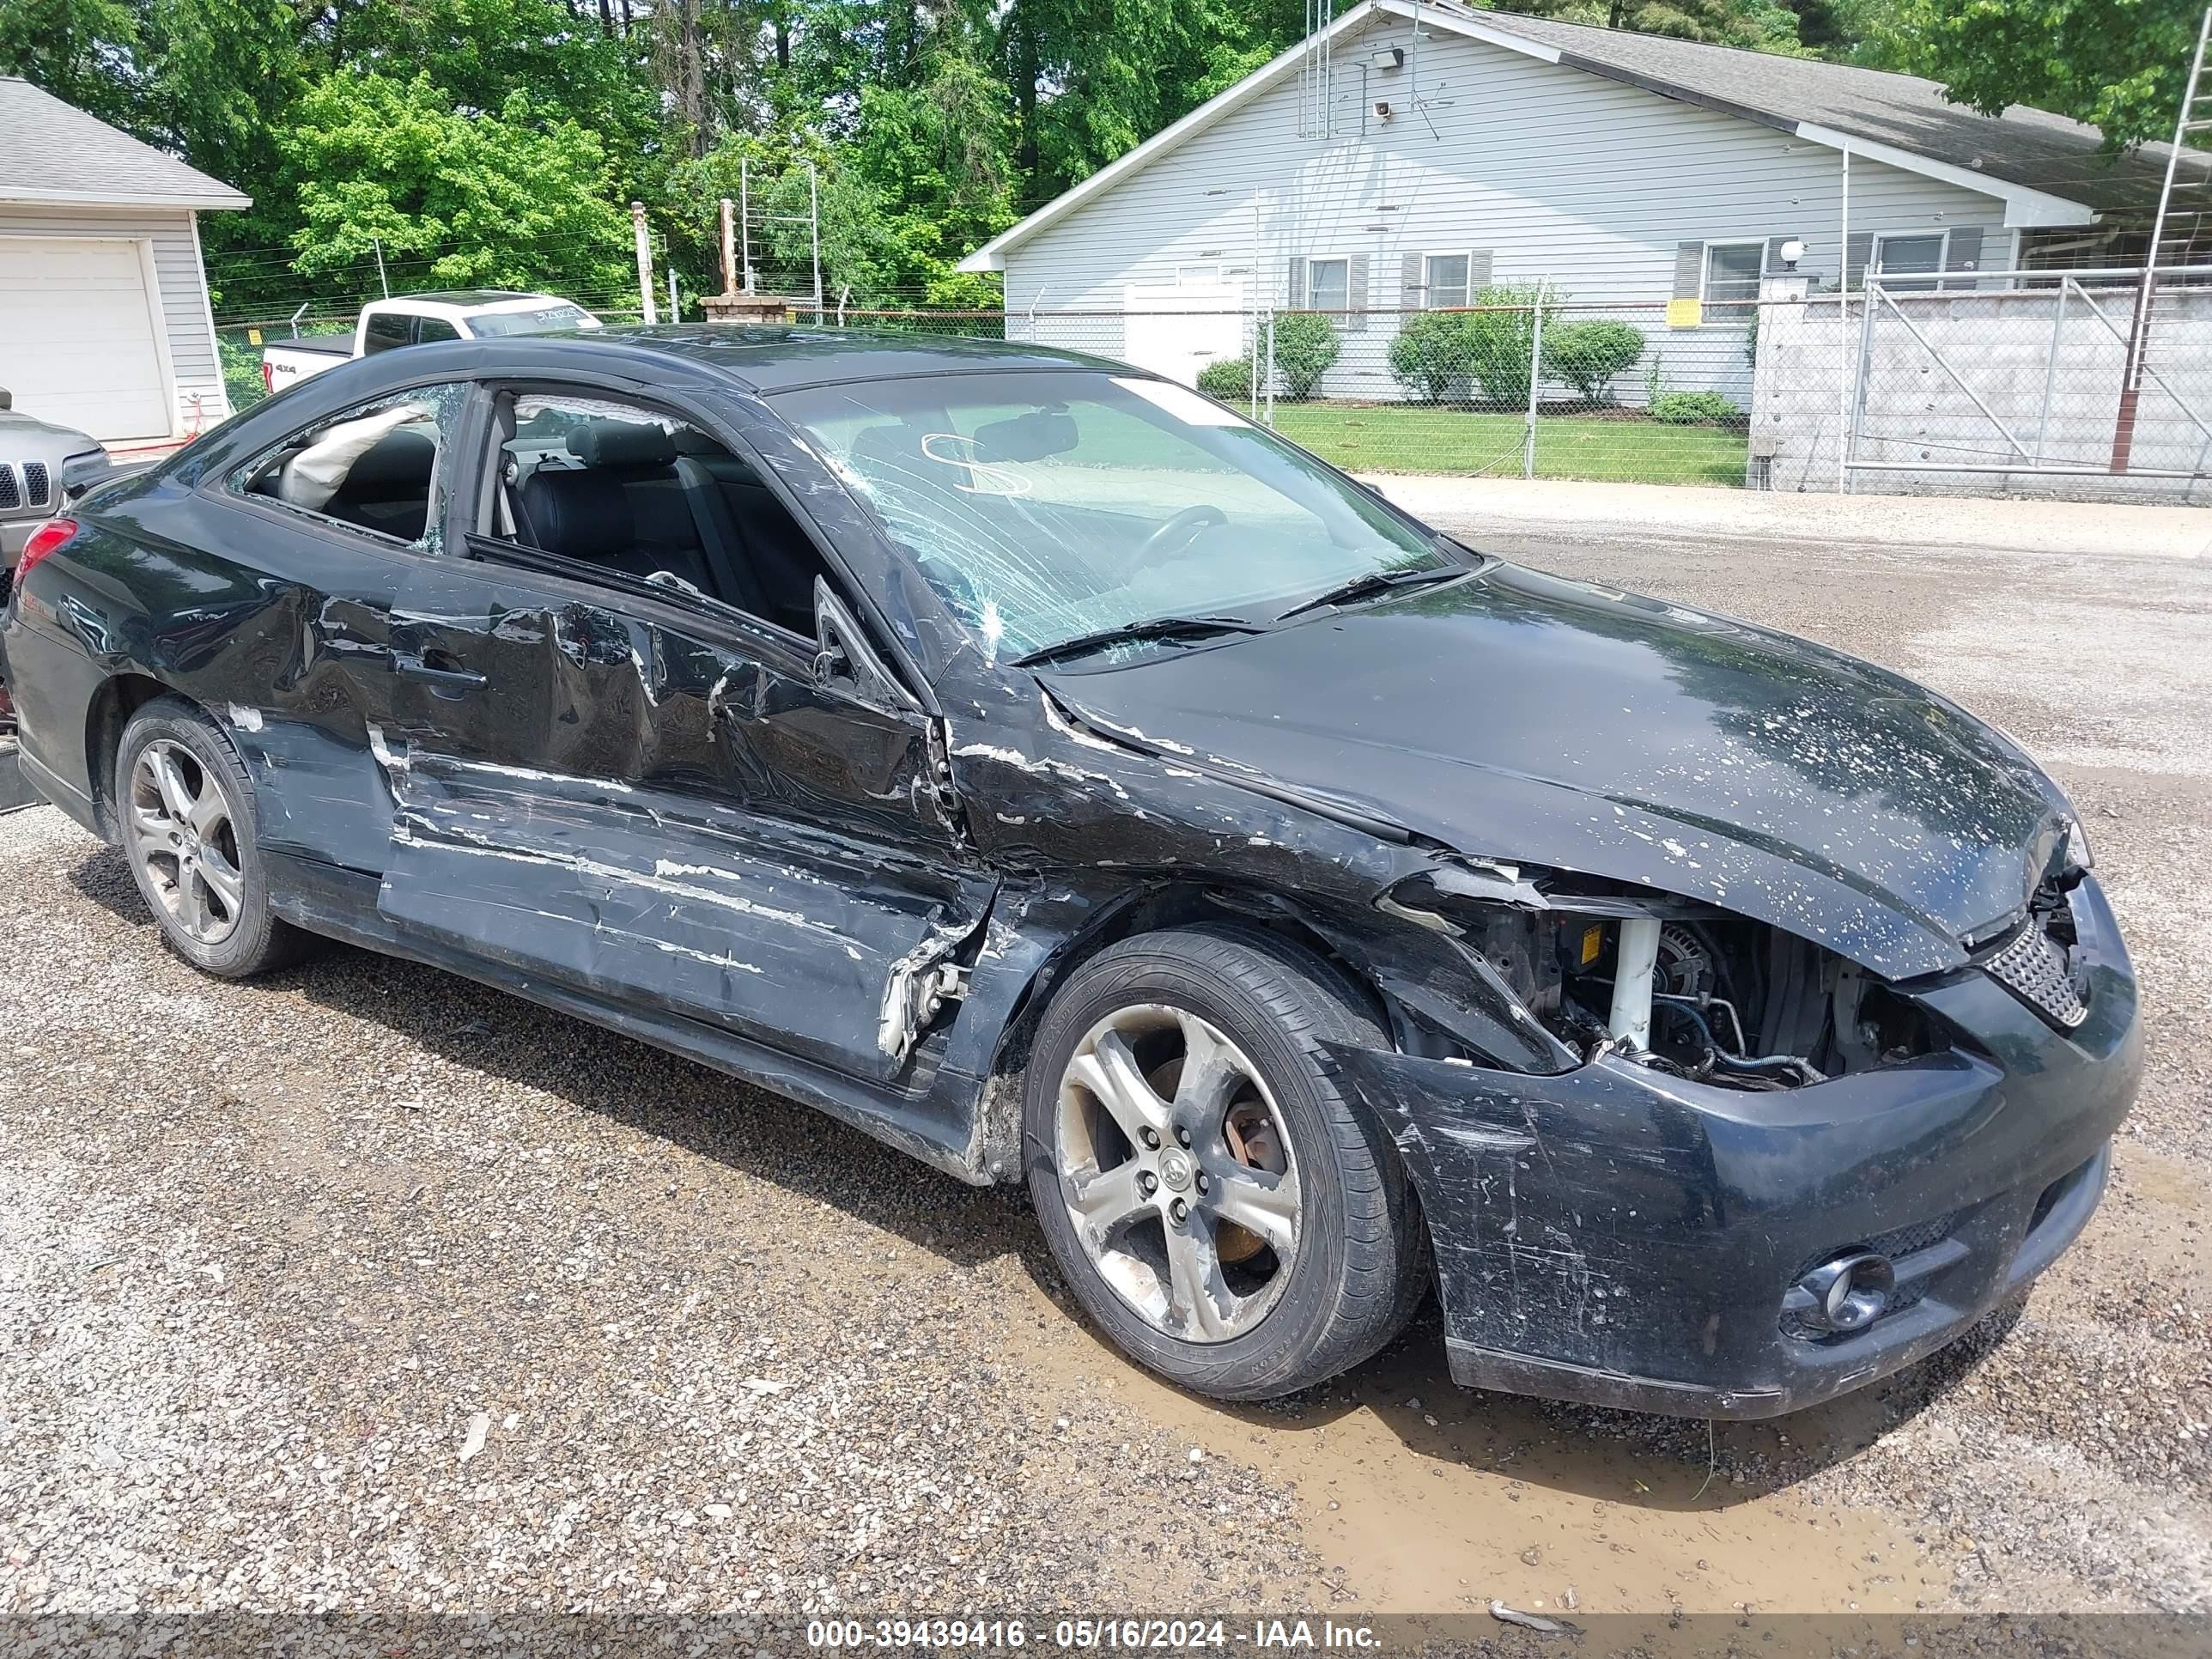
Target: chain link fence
2004 383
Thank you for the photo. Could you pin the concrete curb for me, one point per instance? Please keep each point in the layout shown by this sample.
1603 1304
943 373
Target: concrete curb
1672 511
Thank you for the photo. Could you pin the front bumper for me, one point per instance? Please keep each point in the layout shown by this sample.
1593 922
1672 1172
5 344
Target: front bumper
1621 1237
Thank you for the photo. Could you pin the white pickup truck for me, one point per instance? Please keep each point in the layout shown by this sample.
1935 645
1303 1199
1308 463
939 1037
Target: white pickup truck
468 313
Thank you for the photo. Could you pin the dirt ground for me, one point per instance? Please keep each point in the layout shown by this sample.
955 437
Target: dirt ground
363 1287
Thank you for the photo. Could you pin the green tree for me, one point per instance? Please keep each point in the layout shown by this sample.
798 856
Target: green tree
1762 25
83 51
2120 65
515 198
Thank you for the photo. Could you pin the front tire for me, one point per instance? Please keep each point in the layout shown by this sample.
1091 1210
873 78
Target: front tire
185 810
1225 1209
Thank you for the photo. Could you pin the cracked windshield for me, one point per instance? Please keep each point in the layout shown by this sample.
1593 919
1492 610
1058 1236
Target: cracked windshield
1060 513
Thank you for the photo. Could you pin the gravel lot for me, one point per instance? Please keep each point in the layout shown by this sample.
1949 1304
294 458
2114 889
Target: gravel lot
363 1287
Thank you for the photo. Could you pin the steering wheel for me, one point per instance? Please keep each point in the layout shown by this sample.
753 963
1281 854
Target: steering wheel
1185 525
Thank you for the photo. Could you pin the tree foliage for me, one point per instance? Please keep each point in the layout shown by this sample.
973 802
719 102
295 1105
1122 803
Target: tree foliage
2119 65
444 130
510 198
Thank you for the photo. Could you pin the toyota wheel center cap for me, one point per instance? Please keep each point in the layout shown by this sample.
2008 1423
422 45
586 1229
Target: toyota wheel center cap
1175 1169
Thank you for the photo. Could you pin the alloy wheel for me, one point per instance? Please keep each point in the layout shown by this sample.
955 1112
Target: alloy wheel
184 837
1177 1172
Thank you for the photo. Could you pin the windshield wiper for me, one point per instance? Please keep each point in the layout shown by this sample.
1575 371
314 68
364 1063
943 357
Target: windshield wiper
1156 628
1375 582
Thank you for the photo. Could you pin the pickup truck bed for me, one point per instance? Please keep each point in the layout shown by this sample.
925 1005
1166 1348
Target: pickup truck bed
334 345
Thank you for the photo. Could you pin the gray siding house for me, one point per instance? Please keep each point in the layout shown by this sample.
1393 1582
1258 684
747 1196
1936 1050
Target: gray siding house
1411 153
105 324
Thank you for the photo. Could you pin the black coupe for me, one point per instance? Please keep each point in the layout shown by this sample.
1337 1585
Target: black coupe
1040 767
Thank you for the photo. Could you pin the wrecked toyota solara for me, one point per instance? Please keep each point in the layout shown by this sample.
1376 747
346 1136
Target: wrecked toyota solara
1041 768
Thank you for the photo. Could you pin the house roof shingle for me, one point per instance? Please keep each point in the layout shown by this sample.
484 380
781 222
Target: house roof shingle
2023 146
57 153
2054 171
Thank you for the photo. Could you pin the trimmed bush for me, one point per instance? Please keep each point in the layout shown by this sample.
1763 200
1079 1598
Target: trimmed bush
1587 355
1689 408
1305 345
1230 379
1430 354
1435 349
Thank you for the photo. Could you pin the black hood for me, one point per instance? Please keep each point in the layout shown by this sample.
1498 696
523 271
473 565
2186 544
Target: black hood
1525 718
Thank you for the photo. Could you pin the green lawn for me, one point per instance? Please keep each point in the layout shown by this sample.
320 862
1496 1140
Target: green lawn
1415 438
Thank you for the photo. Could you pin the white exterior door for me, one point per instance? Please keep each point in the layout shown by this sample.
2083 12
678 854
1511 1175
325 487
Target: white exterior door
79 341
1177 330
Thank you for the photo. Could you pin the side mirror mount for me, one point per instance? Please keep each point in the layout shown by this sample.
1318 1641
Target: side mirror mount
843 659
7 400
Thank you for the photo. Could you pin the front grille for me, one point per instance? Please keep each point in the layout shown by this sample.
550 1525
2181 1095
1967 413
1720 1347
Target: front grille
38 487
11 496
2033 969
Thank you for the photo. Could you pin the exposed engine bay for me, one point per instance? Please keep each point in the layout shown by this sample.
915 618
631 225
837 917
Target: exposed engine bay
1684 987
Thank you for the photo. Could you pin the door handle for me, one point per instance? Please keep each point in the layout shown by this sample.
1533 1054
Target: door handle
430 668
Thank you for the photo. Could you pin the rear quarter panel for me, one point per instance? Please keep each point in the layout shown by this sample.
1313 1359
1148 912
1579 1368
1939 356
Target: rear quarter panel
277 627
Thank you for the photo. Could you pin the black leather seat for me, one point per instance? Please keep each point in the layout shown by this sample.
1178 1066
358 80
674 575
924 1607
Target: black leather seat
627 510
779 563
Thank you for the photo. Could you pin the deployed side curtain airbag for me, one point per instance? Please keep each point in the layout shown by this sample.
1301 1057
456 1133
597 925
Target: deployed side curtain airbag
315 474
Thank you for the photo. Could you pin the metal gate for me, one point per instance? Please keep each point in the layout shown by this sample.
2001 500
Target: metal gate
2028 373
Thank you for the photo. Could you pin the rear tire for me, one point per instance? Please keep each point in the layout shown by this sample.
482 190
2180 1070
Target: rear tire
1245 1228
187 818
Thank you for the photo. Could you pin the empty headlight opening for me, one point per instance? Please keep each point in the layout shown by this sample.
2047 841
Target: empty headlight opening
1708 996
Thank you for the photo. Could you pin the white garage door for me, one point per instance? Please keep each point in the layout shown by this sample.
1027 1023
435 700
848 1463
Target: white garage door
77 337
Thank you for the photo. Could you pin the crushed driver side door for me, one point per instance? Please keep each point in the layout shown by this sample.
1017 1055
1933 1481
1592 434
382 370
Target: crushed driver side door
650 797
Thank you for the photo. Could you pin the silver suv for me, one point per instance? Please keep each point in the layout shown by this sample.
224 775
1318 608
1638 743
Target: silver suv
31 456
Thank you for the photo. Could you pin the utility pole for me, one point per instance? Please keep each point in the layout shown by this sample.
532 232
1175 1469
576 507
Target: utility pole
729 251
814 230
644 261
745 215
2124 428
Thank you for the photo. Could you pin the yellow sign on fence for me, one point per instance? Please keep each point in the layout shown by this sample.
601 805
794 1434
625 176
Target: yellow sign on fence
253 337
1684 313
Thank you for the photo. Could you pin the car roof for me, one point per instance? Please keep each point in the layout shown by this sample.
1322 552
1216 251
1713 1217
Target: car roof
782 358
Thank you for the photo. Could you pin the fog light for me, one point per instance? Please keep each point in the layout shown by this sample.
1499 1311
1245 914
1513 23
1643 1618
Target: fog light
1848 1292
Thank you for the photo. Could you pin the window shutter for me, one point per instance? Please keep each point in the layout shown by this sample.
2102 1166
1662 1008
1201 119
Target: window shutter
1414 292
1963 252
1355 294
1478 272
1294 285
1855 259
1689 270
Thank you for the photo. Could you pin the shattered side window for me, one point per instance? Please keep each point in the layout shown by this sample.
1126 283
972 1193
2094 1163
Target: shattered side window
379 466
1047 505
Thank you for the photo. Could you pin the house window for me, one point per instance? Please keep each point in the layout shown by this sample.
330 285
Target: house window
1898 260
1328 285
1187 275
1444 278
1732 274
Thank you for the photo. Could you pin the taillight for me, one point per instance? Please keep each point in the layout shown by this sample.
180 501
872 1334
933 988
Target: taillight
49 535
268 376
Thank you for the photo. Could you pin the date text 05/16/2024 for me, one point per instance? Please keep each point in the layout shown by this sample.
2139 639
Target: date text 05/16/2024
1125 1635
